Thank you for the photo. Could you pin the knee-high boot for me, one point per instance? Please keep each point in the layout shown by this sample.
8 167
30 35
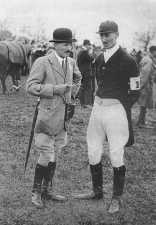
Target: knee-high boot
48 177
118 186
97 182
118 180
47 183
36 192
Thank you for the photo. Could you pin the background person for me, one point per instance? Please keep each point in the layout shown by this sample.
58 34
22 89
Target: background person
84 61
147 74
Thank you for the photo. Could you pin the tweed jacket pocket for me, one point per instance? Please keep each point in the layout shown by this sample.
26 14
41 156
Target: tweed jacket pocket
50 121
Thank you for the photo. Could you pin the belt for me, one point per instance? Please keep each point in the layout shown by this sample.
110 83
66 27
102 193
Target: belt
106 101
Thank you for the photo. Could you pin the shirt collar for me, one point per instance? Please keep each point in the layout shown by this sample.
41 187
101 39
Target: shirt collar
109 52
59 58
84 48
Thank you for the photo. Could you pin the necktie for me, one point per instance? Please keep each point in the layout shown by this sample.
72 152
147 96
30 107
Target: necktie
64 65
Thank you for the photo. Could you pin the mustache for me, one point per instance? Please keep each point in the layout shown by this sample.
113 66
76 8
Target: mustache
68 51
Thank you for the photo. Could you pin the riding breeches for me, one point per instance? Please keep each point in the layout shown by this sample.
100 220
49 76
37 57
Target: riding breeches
108 120
49 146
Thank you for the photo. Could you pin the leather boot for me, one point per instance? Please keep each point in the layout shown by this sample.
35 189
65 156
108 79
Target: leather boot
97 181
118 186
47 184
141 119
36 192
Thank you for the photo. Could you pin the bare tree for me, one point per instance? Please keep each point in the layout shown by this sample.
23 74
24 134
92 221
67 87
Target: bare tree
145 38
5 33
39 31
36 32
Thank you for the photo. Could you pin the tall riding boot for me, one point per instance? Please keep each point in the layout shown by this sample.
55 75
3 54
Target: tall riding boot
47 183
118 186
97 182
141 119
36 192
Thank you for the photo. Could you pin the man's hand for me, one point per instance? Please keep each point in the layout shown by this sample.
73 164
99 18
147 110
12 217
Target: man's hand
74 90
61 89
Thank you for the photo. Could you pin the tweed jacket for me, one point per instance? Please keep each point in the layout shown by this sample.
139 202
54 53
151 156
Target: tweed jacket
47 72
146 73
113 79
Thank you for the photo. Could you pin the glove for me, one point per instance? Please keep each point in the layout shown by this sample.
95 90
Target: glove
133 97
74 90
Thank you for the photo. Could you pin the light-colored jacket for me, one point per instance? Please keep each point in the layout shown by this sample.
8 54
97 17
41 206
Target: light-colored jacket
146 71
47 72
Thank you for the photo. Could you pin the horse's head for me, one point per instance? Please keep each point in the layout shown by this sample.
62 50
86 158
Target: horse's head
37 52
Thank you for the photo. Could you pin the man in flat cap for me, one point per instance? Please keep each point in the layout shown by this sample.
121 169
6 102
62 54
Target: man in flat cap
55 78
84 61
117 81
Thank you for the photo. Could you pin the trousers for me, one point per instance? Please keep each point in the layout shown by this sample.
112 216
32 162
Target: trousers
48 146
108 119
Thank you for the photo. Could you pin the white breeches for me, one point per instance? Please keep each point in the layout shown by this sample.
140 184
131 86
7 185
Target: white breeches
47 146
108 119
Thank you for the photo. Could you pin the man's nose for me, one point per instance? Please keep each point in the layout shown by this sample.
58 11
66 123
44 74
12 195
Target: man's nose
103 38
69 47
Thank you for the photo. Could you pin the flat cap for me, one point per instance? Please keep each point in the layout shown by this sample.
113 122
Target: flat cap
108 27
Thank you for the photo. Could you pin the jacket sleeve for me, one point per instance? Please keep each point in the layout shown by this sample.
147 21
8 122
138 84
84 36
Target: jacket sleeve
133 95
76 79
35 84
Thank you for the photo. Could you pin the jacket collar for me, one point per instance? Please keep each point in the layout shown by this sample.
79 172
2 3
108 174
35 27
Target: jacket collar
108 53
56 64
113 57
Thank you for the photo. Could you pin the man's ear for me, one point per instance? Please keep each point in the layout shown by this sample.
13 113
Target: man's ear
117 33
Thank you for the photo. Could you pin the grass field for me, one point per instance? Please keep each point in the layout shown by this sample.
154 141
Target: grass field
72 174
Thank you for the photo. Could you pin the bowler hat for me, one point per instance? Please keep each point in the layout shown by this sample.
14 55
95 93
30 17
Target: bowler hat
62 35
86 42
108 27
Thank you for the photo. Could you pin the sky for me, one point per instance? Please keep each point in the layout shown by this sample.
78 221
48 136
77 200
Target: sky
82 16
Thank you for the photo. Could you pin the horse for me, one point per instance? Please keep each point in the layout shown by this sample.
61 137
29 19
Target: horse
36 53
14 59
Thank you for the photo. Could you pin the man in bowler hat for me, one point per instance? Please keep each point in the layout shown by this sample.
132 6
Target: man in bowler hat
111 117
55 78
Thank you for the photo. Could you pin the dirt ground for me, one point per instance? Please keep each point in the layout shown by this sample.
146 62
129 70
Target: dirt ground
72 174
